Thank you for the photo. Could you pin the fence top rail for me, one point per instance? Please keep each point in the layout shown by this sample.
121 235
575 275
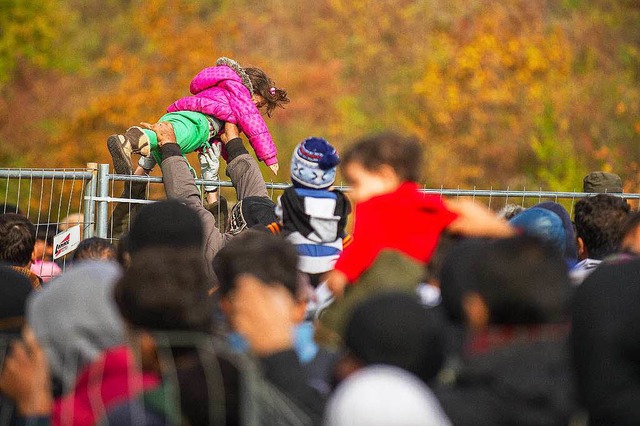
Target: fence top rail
517 193
438 191
84 174
46 174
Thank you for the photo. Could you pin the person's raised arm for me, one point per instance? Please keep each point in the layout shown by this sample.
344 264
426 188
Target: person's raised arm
242 168
476 220
179 184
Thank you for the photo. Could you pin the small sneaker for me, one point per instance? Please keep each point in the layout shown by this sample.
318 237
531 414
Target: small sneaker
122 146
120 152
138 140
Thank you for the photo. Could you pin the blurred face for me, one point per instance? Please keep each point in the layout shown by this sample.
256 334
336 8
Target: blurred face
258 100
42 251
366 184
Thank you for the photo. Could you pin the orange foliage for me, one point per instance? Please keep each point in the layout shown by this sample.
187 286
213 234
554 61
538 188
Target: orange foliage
500 93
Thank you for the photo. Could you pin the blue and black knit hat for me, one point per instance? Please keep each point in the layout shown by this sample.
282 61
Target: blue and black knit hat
313 164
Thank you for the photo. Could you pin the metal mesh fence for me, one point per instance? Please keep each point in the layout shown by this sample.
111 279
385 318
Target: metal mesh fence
54 200
91 197
104 203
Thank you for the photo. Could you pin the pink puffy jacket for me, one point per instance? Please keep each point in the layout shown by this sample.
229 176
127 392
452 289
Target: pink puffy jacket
218 91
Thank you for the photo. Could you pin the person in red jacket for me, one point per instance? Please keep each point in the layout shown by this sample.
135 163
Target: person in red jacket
392 213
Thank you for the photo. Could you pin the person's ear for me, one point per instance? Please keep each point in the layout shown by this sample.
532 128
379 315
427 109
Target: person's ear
145 346
126 260
346 366
583 253
476 311
388 173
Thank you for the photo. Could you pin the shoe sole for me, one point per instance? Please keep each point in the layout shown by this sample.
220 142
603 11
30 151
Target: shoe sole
121 161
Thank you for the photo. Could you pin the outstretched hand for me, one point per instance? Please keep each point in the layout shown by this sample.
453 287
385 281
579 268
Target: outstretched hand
210 165
164 131
476 220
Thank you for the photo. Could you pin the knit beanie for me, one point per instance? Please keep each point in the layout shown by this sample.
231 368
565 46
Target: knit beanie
166 223
313 164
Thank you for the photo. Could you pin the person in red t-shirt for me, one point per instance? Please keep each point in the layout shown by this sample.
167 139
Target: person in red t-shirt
391 212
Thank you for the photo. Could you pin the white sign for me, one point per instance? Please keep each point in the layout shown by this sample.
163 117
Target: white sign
66 241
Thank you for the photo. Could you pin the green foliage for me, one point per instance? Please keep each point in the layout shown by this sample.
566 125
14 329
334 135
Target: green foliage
558 167
32 31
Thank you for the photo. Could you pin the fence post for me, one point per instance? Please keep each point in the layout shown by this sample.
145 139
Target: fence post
89 206
102 216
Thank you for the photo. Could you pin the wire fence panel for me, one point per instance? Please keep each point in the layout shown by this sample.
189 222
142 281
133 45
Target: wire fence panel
54 200
105 203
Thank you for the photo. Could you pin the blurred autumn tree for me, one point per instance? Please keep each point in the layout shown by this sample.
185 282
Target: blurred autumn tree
502 94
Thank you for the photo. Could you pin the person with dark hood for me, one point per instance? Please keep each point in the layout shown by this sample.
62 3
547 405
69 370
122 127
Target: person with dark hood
604 341
514 366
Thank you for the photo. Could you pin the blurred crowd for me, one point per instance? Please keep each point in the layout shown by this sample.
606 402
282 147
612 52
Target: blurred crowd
432 311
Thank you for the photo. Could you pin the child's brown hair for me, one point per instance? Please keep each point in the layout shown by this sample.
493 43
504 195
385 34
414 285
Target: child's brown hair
265 87
402 153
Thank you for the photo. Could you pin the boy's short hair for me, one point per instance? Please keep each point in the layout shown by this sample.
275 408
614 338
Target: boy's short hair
17 239
403 153
269 258
166 289
95 248
599 222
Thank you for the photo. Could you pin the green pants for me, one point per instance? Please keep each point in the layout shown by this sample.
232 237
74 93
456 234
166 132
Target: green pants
191 129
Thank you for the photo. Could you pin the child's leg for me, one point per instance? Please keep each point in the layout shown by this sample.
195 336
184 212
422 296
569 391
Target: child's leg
192 130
